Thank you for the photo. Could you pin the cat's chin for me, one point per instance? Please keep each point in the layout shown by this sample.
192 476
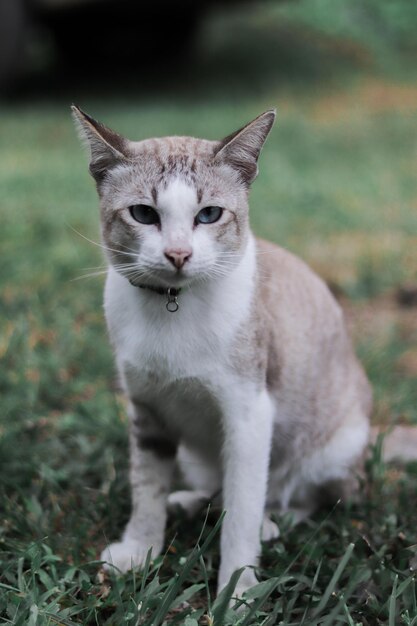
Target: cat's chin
176 281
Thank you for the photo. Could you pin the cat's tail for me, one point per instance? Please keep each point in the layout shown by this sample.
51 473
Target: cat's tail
398 443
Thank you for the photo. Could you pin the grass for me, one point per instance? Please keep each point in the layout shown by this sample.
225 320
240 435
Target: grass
337 186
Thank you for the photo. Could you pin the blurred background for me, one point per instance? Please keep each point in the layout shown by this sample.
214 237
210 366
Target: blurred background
337 185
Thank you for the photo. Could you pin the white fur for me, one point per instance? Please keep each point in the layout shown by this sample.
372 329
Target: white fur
192 348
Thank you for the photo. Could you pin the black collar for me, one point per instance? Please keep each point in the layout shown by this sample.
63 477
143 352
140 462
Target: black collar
171 294
163 291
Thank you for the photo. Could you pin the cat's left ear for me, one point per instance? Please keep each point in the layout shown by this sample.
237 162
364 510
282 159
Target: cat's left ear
241 149
107 148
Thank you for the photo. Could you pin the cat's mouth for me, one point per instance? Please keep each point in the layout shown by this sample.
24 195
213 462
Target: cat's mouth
174 276
163 279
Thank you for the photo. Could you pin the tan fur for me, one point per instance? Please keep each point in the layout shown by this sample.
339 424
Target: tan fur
306 320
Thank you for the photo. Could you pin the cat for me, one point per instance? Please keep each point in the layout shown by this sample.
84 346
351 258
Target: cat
233 354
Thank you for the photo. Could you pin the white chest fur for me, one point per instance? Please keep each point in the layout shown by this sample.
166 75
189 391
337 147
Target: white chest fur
193 342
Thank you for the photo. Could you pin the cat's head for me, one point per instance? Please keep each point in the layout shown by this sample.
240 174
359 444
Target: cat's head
174 210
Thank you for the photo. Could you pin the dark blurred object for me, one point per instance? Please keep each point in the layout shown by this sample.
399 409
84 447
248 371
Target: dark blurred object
407 295
13 27
99 34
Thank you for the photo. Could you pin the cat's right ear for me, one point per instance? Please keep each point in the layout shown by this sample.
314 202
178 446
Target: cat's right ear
107 148
241 149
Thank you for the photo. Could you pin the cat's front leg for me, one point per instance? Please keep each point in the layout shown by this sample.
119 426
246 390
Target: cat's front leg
152 456
248 418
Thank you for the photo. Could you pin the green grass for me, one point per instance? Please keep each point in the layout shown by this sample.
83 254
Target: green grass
337 186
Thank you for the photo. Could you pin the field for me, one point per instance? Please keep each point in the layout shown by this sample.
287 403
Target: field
338 186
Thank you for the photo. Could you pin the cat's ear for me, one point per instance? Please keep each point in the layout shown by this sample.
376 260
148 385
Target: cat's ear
107 148
241 149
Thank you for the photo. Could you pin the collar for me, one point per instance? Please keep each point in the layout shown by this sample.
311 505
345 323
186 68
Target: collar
171 294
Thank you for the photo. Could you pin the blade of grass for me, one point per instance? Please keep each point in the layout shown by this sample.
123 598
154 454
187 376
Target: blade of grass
9 587
270 586
222 601
393 603
206 584
145 571
187 594
20 578
143 597
357 578
316 575
348 615
403 586
60 620
313 586
334 579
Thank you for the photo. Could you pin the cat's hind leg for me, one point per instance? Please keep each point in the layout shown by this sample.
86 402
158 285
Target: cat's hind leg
297 514
189 501
270 529
290 496
328 475
336 468
197 471
203 478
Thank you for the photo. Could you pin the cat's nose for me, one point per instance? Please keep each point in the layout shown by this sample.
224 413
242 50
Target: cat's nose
178 256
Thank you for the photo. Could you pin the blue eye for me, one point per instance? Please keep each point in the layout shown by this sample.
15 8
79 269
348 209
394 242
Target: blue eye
144 214
209 215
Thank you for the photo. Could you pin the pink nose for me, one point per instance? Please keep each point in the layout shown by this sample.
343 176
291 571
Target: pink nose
177 256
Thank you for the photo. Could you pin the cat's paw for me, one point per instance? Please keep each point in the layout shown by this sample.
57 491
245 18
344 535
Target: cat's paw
125 555
270 530
189 501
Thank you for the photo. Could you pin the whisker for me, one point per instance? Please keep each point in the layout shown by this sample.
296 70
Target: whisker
91 275
103 269
138 273
100 245
107 265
